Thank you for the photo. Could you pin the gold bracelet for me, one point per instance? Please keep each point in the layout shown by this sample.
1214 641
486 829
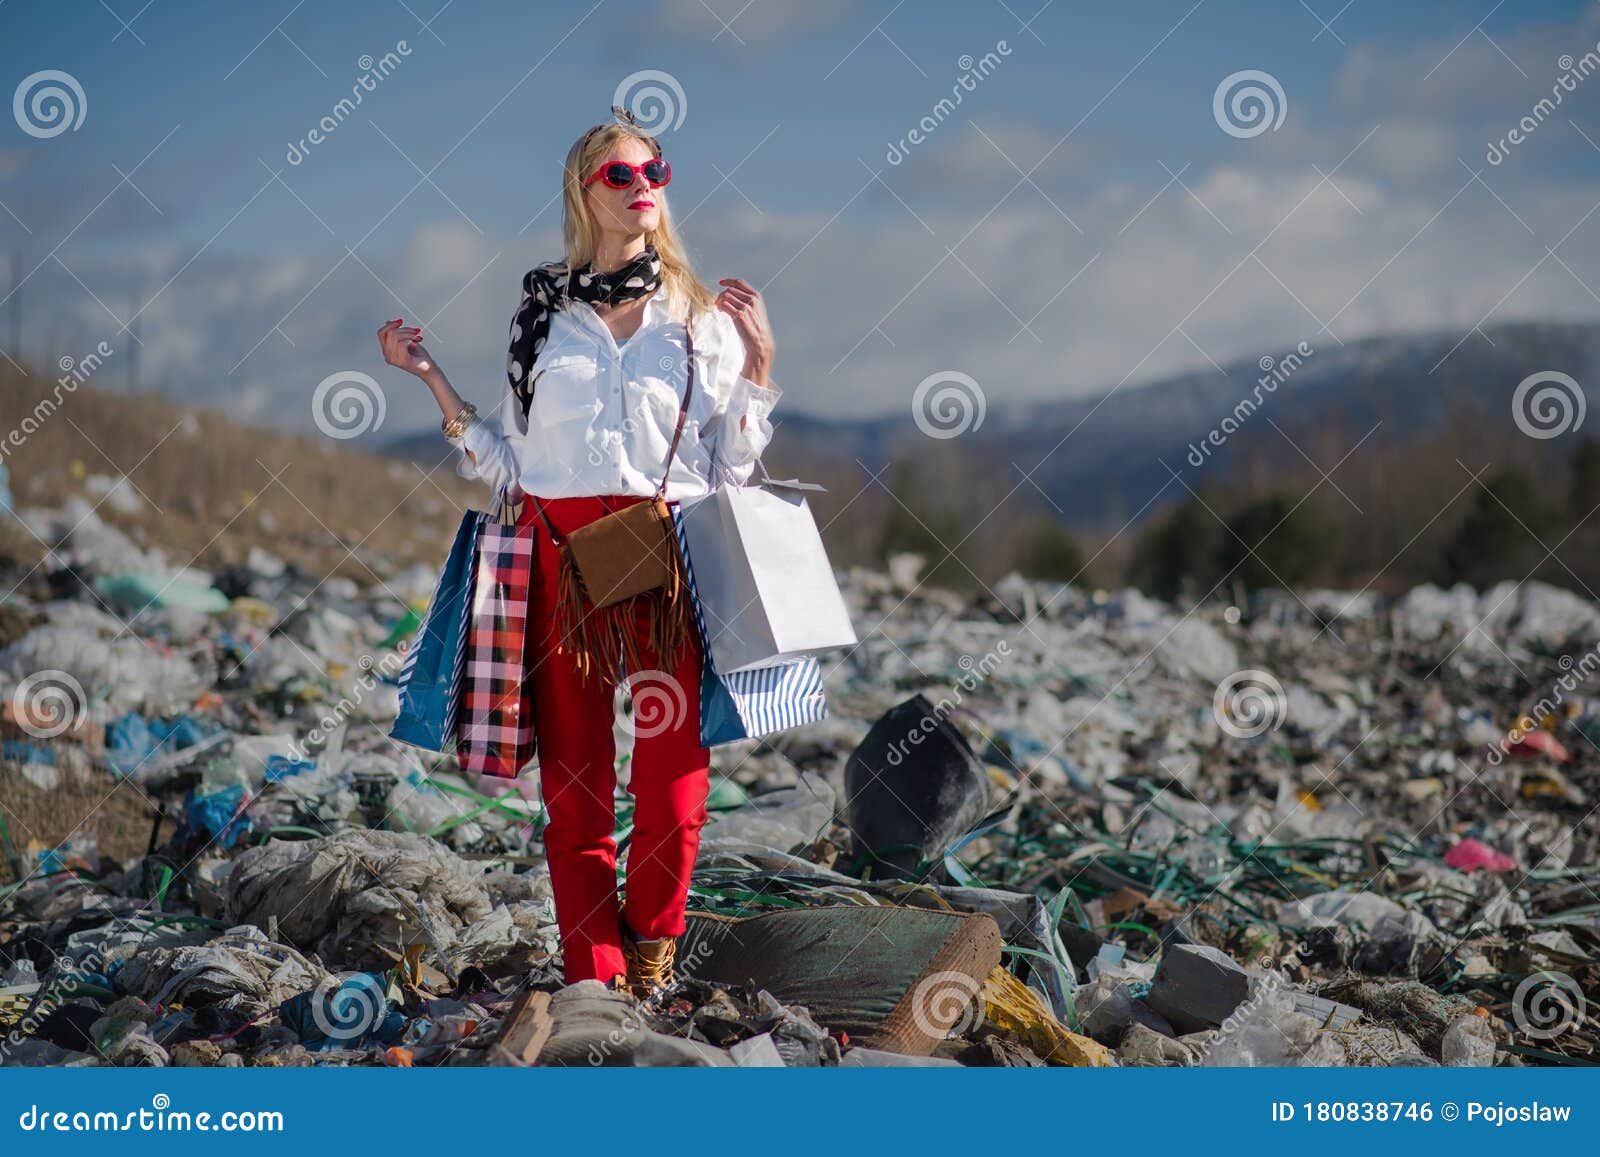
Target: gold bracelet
457 426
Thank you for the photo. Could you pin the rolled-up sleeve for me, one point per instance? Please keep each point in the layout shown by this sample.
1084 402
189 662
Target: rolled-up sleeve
740 428
495 448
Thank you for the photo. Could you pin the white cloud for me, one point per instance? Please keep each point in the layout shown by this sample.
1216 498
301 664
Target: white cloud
1411 149
868 301
855 329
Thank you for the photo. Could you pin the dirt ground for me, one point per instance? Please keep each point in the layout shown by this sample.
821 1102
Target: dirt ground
85 802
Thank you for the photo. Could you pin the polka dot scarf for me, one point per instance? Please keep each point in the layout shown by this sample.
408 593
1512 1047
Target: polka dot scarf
548 287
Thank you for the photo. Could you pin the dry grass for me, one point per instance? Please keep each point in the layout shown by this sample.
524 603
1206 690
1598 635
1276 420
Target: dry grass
213 488
83 803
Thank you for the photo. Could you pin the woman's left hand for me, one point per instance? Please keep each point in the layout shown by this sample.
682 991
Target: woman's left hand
742 302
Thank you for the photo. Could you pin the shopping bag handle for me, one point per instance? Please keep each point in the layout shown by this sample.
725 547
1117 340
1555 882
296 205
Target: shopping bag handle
506 512
787 483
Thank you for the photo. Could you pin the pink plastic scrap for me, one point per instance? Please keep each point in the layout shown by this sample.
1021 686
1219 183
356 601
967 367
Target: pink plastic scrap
1470 855
1537 743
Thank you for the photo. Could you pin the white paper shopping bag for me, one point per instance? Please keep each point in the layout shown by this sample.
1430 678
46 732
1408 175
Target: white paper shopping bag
767 590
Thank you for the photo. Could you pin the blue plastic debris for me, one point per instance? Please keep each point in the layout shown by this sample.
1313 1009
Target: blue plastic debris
79 854
25 751
1108 956
218 815
355 1014
132 741
280 767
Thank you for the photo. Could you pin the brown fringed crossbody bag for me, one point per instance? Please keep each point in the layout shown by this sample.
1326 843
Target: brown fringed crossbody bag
620 557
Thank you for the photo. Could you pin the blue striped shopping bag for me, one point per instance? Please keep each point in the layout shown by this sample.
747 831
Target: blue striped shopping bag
756 701
431 679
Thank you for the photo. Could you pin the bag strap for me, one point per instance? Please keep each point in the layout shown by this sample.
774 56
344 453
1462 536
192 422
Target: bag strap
688 391
504 511
555 536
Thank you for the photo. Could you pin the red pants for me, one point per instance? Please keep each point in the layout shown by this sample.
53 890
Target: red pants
669 778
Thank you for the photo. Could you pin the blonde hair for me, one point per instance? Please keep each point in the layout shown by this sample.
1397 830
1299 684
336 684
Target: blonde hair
684 289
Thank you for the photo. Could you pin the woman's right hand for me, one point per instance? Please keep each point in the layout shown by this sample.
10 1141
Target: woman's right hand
402 346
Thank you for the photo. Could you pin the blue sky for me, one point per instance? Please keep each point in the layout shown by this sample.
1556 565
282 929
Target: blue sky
1148 241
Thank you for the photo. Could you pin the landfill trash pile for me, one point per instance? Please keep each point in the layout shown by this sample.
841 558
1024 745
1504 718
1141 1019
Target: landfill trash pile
1041 827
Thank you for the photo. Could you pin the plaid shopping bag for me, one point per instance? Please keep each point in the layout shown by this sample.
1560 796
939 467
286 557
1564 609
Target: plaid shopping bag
496 732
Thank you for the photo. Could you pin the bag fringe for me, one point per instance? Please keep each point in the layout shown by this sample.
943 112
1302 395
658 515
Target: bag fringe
603 639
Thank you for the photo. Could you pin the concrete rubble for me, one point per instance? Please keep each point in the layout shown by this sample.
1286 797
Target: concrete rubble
1319 828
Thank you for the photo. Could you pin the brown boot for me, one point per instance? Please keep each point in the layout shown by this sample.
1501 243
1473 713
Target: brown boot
649 964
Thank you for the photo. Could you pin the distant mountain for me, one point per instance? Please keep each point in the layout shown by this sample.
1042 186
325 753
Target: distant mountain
1411 384
1101 456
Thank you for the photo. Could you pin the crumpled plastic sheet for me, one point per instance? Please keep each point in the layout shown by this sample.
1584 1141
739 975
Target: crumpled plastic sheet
241 967
1507 615
124 673
1392 939
595 1027
90 930
1096 693
87 540
420 805
322 795
526 924
346 895
1267 1030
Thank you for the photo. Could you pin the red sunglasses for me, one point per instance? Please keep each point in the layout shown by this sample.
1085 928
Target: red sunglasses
620 174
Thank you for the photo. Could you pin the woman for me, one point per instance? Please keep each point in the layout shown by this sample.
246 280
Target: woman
596 373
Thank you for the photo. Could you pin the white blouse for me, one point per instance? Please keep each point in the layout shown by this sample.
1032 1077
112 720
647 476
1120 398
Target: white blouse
602 415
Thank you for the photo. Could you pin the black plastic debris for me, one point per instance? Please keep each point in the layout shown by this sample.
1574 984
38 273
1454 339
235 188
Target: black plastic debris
913 787
1197 987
